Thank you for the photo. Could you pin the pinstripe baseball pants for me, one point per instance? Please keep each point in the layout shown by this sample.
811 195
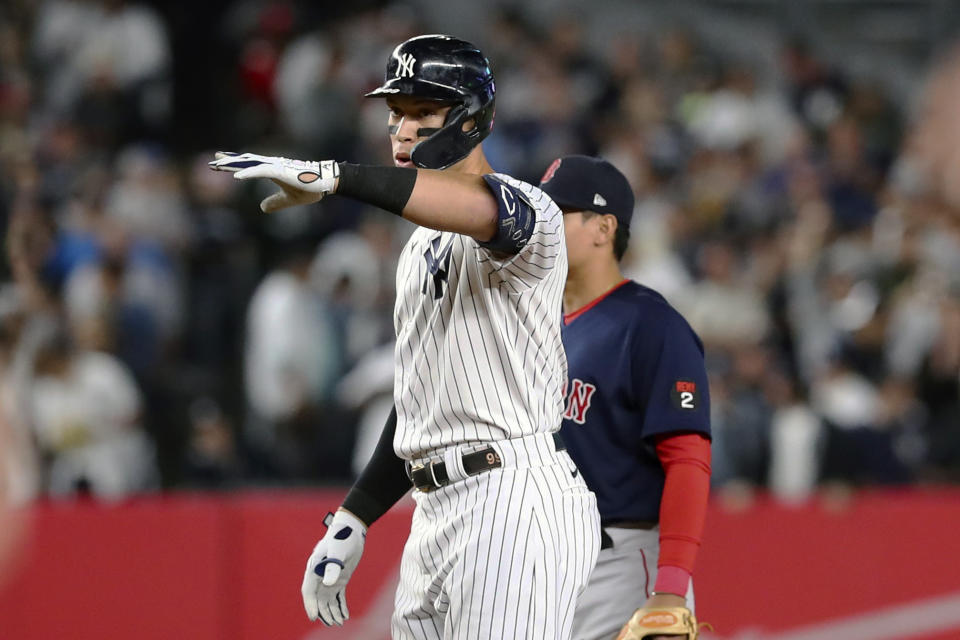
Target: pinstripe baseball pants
502 554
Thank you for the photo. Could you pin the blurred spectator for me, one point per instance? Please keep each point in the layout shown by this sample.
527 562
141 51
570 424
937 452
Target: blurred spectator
368 390
221 273
85 409
737 113
318 107
109 61
291 361
125 303
859 449
350 271
850 183
212 459
721 308
14 465
939 382
816 92
19 474
652 259
146 200
743 416
797 441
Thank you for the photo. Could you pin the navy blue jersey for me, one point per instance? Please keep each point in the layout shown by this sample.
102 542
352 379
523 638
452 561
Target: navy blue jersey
635 371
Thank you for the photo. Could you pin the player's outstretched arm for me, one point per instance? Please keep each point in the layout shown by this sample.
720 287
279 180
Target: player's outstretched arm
331 564
448 201
442 200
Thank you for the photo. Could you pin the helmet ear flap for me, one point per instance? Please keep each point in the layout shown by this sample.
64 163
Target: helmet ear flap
460 114
451 144
447 146
456 113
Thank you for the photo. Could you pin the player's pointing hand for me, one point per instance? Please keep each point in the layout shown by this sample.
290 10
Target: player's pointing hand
330 566
300 181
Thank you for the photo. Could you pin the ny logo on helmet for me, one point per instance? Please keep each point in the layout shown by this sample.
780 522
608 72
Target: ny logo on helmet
405 68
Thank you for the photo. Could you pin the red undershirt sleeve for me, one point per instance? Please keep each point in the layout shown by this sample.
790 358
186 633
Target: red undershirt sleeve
685 459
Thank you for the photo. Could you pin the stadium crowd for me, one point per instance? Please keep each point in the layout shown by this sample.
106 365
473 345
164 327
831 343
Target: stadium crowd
158 331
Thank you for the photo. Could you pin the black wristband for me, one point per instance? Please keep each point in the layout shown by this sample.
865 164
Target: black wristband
383 481
364 506
386 187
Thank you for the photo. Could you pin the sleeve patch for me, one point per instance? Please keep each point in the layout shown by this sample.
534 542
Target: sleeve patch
684 395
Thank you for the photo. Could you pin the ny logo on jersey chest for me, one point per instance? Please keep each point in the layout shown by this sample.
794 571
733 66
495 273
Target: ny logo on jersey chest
438 266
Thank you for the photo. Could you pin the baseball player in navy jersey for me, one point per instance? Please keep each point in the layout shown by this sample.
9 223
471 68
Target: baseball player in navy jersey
637 421
505 532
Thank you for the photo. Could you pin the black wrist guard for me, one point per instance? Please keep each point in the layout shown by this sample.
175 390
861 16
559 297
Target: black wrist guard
386 187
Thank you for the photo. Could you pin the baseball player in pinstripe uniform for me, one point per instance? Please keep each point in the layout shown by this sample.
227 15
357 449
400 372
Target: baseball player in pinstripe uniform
637 420
505 532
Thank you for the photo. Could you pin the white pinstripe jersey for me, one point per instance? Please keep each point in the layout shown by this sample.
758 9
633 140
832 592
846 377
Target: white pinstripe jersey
479 355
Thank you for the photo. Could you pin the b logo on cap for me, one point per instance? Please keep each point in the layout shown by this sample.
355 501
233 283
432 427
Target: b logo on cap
552 169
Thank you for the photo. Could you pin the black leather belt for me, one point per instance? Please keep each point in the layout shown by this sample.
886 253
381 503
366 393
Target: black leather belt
606 542
433 475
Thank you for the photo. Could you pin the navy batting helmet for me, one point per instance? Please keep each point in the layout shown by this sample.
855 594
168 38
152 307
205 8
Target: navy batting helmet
439 67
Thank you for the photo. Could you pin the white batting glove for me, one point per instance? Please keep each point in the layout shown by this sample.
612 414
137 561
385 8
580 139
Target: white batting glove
330 566
300 181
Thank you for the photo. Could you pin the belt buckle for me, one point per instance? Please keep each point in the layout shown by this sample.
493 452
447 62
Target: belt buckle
433 476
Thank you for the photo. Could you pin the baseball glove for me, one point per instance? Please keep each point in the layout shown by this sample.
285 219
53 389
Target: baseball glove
662 621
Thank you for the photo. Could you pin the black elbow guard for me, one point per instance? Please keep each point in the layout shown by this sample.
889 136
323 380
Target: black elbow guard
516 218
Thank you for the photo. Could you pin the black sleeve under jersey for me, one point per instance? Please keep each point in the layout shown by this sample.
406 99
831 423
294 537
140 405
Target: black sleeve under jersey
383 481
